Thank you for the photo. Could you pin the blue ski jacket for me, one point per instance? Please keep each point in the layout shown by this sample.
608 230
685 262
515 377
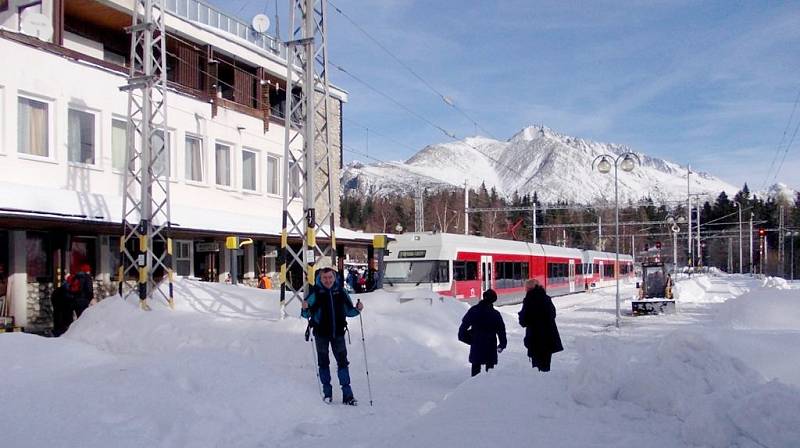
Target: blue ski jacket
328 309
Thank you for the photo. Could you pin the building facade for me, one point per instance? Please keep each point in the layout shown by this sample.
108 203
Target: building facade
63 135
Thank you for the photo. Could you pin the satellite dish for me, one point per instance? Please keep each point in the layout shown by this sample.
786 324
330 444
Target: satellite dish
260 23
37 24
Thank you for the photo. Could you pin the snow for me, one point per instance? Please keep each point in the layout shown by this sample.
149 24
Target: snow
223 369
29 200
536 159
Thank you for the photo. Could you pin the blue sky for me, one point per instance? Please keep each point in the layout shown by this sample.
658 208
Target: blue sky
712 84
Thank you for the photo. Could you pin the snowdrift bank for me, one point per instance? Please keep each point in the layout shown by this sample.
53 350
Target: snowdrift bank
766 309
223 369
712 399
706 289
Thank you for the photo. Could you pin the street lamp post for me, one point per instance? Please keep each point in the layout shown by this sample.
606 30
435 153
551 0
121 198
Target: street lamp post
675 230
792 234
627 161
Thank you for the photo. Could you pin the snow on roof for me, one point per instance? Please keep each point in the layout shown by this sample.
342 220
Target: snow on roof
31 200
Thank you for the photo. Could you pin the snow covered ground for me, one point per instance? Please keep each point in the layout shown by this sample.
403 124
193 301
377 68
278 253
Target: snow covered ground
223 369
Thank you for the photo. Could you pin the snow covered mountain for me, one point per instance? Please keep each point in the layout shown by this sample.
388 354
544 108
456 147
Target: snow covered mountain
556 166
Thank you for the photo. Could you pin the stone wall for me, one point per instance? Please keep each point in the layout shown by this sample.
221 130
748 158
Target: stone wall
40 305
40 308
335 135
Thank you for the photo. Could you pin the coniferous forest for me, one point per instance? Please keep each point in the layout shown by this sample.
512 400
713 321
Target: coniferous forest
642 225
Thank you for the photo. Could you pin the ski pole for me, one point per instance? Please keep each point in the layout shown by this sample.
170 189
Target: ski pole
314 360
364 346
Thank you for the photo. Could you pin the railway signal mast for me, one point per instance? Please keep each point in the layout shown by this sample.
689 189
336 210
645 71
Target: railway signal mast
307 193
145 247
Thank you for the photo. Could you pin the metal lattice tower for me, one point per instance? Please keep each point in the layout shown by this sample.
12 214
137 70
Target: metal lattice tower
145 249
419 209
307 190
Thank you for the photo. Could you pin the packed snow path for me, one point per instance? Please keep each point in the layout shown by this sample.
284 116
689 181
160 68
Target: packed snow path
223 370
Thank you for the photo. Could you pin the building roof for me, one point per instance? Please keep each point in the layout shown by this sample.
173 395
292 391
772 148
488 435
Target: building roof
77 206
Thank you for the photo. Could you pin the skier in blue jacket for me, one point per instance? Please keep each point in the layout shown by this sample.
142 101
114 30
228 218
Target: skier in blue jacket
327 308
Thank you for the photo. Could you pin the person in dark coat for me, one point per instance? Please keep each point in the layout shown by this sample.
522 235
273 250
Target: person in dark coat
538 317
63 307
327 308
80 288
481 328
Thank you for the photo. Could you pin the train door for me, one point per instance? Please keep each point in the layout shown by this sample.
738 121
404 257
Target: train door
599 273
571 275
486 273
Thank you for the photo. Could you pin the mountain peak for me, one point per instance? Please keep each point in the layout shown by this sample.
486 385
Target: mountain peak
534 132
536 159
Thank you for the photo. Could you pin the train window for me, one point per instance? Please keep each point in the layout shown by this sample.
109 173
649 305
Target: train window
557 271
608 270
510 274
465 270
596 268
423 271
578 269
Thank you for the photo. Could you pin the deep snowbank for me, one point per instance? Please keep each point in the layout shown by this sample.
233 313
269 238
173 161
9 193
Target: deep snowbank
223 369
712 399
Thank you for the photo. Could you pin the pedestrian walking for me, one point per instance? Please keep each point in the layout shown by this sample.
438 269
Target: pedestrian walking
538 317
481 328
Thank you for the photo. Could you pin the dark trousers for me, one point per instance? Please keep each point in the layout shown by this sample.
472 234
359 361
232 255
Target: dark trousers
476 368
339 347
542 361
80 307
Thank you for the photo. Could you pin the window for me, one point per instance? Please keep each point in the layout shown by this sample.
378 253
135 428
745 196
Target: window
249 160
272 175
557 271
417 272
223 162
113 257
465 270
119 144
183 258
510 274
33 127
194 159
163 153
608 270
38 263
80 136
82 251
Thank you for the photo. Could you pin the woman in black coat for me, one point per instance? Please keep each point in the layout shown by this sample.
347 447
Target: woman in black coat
481 327
538 317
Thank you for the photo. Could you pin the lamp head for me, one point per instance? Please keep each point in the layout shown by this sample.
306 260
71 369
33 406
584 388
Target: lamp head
627 164
604 166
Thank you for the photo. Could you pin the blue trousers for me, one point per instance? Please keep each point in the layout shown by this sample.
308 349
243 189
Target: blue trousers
339 347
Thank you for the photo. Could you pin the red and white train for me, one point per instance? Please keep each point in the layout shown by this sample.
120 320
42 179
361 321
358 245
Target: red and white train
463 266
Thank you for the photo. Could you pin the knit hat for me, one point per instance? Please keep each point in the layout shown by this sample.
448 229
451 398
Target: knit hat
490 296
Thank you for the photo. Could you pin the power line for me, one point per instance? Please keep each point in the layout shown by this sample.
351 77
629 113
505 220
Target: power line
780 143
786 152
447 100
372 131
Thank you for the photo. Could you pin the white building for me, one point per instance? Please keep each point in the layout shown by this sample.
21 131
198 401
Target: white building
62 144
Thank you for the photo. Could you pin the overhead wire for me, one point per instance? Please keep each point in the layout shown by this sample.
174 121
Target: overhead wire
447 100
780 143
